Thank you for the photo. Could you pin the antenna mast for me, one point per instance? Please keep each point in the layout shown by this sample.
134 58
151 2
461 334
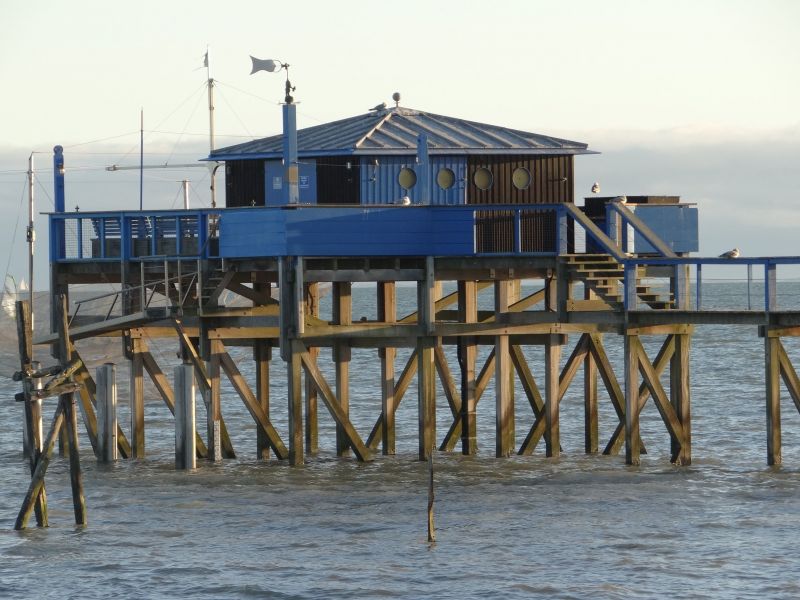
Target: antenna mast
30 235
213 168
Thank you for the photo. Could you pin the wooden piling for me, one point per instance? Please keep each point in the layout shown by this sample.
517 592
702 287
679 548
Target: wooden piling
295 397
136 392
107 413
342 315
263 355
504 382
185 451
387 313
680 395
773 404
311 402
426 365
552 358
632 447
214 407
467 356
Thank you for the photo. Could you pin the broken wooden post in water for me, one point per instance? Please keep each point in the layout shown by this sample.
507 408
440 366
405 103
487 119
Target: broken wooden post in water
431 528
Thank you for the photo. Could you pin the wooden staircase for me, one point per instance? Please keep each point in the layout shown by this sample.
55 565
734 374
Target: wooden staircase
604 276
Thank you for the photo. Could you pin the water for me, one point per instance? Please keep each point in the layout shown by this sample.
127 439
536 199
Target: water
574 527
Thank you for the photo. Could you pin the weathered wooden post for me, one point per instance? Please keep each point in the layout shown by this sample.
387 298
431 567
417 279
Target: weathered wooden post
107 413
185 450
426 374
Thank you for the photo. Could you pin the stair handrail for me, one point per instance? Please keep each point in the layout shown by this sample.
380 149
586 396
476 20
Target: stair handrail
640 226
599 236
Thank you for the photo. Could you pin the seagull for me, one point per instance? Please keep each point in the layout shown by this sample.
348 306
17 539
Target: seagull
379 107
596 188
404 201
730 254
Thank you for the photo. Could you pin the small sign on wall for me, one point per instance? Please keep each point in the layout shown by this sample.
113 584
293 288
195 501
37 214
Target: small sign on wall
277 183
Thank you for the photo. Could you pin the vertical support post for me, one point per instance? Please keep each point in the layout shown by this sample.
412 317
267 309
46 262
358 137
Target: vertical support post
680 392
291 175
342 315
680 287
632 447
426 374
630 286
552 359
31 423
137 397
503 381
387 313
107 413
749 286
468 353
311 405
773 381
699 284
770 287
214 407
295 394
185 451
424 168
67 401
591 428
562 232
263 355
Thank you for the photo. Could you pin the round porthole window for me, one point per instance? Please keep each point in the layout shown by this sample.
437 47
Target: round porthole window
445 178
521 178
407 178
482 178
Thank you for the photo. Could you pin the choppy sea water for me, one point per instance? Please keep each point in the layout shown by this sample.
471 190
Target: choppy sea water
574 527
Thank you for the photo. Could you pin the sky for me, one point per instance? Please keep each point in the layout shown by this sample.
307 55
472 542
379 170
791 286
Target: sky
691 98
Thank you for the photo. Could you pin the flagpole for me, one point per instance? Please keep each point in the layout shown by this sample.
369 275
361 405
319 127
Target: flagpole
31 237
207 62
141 159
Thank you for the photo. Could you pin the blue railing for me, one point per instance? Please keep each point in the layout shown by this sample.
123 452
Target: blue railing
132 235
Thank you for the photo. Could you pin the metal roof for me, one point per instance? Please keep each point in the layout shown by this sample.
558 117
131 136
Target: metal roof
394 131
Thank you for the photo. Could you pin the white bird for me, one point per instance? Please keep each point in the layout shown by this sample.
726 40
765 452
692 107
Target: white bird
379 107
404 201
596 188
730 254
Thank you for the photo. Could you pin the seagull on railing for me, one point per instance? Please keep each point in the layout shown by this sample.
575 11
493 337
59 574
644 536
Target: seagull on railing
730 254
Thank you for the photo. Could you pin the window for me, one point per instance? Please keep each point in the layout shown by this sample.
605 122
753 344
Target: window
521 178
445 178
407 178
483 178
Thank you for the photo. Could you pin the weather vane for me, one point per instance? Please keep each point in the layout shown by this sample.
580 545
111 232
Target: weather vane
271 66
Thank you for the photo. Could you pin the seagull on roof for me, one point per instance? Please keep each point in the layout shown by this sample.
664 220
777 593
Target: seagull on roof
596 188
381 106
730 254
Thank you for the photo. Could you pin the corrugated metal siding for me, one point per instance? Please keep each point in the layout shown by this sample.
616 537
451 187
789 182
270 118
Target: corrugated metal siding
551 182
379 183
244 183
336 184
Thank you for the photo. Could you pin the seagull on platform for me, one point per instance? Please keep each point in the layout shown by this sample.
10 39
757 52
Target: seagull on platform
596 188
730 254
404 201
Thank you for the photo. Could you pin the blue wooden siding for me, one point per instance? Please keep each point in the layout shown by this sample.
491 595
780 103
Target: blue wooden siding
273 182
379 183
675 224
401 231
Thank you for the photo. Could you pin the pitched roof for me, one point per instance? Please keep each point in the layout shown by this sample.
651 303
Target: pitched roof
394 131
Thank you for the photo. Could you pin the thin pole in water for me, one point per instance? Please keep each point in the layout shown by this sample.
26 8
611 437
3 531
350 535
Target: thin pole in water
141 159
431 528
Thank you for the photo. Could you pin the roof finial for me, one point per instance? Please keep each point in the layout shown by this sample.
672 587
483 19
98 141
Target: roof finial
396 98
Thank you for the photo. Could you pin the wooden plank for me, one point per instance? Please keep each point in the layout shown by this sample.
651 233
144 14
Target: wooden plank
526 379
37 479
403 382
311 413
481 383
772 378
165 391
252 404
107 413
446 378
653 383
328 397
263 354
663 359
136 392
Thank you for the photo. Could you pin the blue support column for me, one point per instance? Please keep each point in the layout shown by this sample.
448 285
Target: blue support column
291 177
58 179
423 169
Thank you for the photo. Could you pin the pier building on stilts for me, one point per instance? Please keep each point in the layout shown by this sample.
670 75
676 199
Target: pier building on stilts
396 195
